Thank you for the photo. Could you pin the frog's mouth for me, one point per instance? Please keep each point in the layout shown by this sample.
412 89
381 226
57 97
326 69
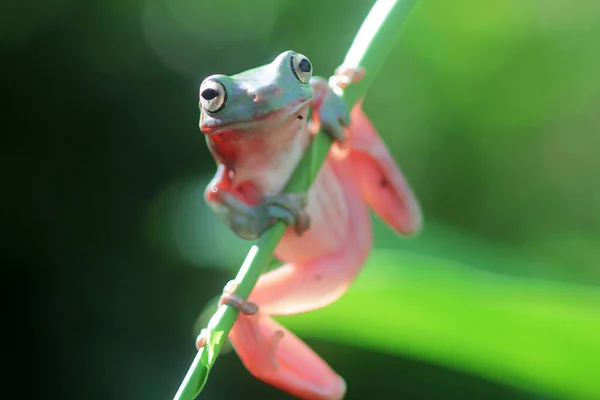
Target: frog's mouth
212 124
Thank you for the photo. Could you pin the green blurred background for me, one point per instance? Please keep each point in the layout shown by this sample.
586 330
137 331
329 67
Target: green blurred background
491 108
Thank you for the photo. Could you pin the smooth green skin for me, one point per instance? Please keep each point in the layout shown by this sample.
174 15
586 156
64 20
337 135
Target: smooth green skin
373 43
261 128
261 104
241 111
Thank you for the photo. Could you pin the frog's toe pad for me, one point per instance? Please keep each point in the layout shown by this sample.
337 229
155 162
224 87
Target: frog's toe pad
301 220
202 339
345 76
289 208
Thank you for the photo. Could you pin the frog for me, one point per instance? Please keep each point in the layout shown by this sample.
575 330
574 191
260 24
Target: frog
257 127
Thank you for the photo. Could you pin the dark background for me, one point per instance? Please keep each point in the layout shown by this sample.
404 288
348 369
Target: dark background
111 254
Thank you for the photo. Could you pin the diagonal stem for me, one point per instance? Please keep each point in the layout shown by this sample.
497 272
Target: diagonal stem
373 43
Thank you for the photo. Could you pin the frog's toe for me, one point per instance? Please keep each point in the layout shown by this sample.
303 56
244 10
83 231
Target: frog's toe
202 339
237 302
289 208
344 76
302 222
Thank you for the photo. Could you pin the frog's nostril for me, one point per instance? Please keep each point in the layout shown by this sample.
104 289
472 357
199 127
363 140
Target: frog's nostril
209 94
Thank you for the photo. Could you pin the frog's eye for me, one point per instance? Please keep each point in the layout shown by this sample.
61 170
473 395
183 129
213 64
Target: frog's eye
212 96
301 67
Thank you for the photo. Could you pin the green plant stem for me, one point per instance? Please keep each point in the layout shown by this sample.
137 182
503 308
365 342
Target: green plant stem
373 43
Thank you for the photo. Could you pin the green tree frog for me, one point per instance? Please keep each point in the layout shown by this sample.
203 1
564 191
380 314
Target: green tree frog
256 128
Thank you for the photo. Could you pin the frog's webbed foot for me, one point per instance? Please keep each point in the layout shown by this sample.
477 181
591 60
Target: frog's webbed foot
249 222
333 114
289 208
268 346
229 298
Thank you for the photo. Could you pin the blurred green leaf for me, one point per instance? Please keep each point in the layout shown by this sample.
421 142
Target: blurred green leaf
535 334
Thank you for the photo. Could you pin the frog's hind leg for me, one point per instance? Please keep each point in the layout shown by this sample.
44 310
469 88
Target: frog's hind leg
278 357
307 283
310 285
383 184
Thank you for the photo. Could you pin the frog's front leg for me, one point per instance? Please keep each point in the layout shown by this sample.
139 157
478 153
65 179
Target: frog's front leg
332 114
250 221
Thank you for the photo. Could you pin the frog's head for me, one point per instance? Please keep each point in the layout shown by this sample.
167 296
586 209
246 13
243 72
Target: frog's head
270 93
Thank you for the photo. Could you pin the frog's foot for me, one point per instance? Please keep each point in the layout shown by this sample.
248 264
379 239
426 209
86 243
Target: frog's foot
249 222
289 208
278 357
344 76
231 299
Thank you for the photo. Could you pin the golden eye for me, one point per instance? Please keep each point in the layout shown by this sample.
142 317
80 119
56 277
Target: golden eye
301 67
212 96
